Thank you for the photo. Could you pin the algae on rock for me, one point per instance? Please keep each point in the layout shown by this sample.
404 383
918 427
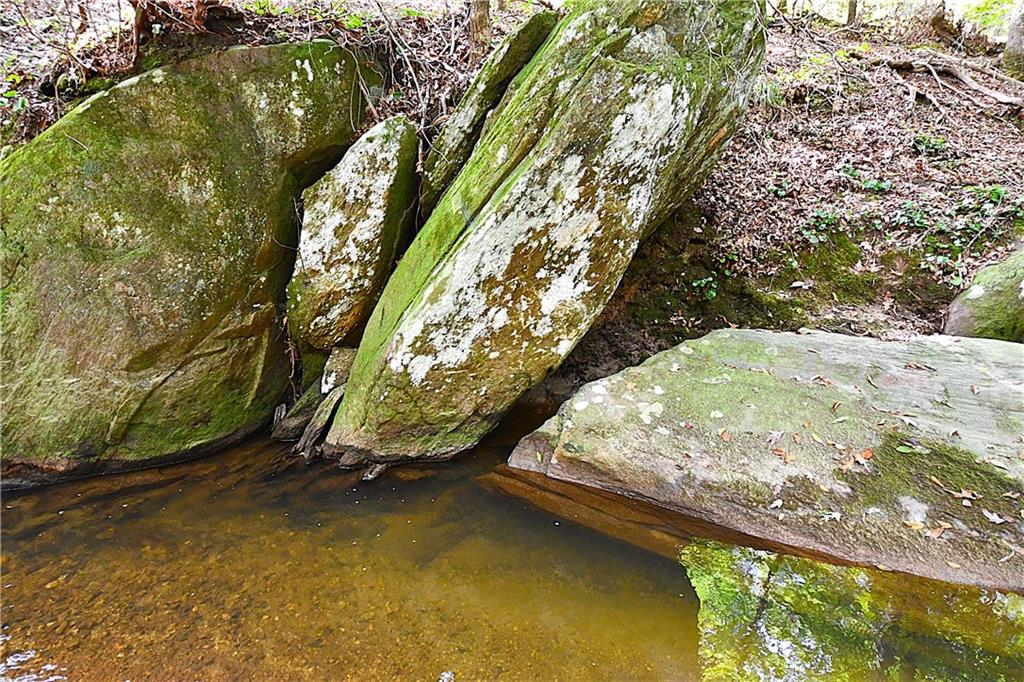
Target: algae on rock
613 123
454 143
771 616
993 306
356 219
146 250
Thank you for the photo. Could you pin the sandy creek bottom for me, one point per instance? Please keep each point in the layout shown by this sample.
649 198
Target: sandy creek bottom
248 565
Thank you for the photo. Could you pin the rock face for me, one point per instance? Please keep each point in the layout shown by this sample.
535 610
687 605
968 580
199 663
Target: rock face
145 252
993 306
356 219
454 143
765 616
613 123
855 450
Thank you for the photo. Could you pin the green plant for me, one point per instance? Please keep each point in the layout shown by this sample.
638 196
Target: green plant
822 224
780 190
990 15
928 145
877 186
706 287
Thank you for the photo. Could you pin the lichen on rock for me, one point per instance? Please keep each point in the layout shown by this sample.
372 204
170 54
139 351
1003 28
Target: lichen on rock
613 124
454 144
992 307
356 219
146 249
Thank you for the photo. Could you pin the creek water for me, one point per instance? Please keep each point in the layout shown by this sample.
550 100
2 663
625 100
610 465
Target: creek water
251 565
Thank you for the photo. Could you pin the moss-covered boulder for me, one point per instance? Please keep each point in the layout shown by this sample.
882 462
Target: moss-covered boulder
454 144
993 306
905 455
612 124
147 240
356 218
766 616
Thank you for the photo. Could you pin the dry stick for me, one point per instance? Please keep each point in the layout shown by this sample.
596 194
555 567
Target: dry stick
948 69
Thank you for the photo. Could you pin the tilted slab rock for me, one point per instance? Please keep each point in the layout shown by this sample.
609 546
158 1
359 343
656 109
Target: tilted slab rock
356 218
614 123
454 143
146 249
993 306
853 449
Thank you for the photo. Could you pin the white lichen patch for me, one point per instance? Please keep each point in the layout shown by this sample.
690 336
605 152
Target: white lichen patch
349 236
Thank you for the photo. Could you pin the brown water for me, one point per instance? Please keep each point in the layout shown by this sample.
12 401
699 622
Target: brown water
248 565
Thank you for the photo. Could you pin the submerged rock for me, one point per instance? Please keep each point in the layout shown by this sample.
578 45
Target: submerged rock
613 123
766 616
900 455
146 249
454 143
993 306
356 218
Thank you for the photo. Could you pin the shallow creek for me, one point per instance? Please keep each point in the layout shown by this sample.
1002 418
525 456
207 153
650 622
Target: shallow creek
247 565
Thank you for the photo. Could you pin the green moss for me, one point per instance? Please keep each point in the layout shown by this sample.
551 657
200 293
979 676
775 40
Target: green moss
765 615
992 307
148 252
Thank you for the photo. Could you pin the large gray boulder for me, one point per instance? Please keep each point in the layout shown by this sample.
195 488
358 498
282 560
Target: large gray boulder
614 122
902 455
148 238
993 305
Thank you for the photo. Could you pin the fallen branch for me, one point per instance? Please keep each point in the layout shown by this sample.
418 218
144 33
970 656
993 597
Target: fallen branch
947 68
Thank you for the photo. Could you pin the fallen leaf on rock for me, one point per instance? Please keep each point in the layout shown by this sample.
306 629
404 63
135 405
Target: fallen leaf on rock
966 495
775 504
774 436
937 482
952 564
783 455
905 449
993 517
835 406
797 438
817 439
1011 495
913 525
866 455
974 389
724 435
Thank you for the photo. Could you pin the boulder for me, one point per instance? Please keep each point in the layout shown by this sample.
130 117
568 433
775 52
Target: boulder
356 219
612 124
993 306
148 238
766 616
903 455
335 372
454 144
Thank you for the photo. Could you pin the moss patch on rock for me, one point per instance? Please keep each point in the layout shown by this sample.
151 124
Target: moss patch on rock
145 253
993 305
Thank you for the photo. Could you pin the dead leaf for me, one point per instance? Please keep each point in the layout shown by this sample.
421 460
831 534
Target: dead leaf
724 435
1012 495
993 517
817 440
783 455
952 564
835 406
775 504
974 389
774 436
866 455
913 525
966 495
797 438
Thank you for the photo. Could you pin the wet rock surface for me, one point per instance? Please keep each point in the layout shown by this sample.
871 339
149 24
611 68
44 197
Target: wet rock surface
146 248
610 127
905 456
